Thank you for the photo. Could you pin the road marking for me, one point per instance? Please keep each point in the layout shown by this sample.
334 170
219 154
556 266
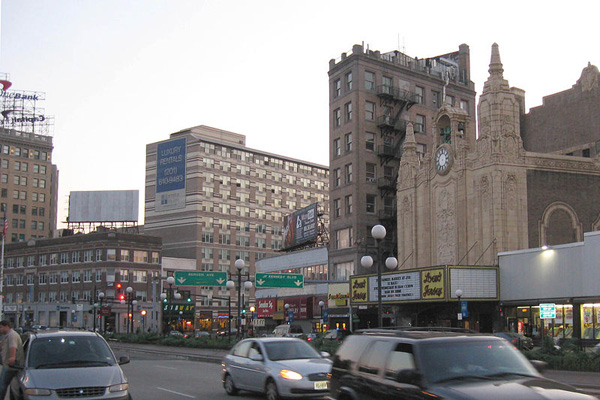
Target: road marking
172 391
161 366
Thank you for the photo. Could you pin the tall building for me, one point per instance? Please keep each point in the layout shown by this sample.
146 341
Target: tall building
373 98
214 200
28 179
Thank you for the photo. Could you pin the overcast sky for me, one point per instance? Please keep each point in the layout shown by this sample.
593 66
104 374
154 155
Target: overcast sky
119 74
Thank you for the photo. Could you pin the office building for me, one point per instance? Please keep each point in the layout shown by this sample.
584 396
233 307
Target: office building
214 200
373 98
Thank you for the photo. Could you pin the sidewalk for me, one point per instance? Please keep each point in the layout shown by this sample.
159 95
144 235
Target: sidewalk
588 382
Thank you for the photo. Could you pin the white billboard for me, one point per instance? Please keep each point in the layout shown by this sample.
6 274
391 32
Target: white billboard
104 206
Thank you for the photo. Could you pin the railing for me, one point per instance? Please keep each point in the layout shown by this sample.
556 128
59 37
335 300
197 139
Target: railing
396 93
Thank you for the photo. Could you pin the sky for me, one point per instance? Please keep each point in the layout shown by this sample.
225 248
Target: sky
119 74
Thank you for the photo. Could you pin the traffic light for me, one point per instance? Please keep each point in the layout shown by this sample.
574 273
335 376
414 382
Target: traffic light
143 312
121 297
189 299
165 300
244 312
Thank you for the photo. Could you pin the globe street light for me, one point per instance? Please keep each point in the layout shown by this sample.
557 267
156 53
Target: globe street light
321 304
286 306
239 265
378 232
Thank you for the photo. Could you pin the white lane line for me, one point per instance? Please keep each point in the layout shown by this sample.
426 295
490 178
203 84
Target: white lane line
162 366
180 394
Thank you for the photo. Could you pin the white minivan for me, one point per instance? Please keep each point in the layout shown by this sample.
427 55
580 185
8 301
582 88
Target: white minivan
288 330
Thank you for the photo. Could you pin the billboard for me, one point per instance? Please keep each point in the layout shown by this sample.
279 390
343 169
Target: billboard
170 175
104 206
300 227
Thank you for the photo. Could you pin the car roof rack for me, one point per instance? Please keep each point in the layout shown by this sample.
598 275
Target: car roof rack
391 330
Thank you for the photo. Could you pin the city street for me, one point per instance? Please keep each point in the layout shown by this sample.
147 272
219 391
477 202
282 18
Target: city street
159 378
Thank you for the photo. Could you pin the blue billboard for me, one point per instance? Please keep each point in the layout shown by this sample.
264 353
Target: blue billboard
170 174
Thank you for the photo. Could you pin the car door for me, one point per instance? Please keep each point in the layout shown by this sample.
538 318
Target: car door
256 370
238 364
369 371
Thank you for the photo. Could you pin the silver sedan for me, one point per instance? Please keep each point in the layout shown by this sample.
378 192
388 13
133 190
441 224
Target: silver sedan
277 367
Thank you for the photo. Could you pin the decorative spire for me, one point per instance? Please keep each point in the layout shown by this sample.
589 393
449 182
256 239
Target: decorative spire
410 144
496 81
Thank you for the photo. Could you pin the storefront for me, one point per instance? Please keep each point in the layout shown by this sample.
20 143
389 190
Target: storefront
565 277
428 297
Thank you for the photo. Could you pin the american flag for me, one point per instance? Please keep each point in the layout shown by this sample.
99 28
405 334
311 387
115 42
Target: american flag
4 226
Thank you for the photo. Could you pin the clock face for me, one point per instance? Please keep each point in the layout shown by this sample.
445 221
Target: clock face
442 159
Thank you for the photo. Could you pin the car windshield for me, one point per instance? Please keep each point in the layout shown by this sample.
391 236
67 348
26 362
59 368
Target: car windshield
289 350
443 362
69 351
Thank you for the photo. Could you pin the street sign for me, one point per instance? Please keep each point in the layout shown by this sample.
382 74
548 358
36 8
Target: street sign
547 311
200 278
264 280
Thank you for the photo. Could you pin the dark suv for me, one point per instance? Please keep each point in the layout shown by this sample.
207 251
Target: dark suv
435 363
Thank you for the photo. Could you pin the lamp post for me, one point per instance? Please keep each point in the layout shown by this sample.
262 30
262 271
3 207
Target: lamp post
239 265
459 294
287 318
252 309
169 296
378 232
321 304
131 301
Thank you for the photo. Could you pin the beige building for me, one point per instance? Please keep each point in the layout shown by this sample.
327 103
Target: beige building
214 200
28 184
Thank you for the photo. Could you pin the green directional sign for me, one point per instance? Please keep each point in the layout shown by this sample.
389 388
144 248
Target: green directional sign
200 278
264 280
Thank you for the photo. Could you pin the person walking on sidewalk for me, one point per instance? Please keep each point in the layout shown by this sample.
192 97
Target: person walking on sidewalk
12 354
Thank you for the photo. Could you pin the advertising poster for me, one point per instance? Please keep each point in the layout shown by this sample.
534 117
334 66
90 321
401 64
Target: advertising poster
170 175
358 290
300 227
432 284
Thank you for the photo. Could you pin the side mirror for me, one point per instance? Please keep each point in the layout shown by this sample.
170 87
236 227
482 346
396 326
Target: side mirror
409 376
540 366
123 360
257 357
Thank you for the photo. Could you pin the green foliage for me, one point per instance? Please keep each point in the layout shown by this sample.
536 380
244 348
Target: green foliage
570 356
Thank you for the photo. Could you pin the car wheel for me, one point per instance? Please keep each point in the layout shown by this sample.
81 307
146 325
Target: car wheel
230 388
272 393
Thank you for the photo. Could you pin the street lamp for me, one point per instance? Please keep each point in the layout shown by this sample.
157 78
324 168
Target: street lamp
100 297
252 309
287 318
459 294
239 265
378 232
321 304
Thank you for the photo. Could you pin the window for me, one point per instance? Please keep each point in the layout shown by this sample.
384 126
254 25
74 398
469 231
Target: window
124 275
337 179
348 204
372 361
370 172
348 142
348 111
420 124
435 97
75 257
337 88
140 256
336 208
349 81
76 276
369 111
371 199
399 359
343 238
53 258
43 279
64 277
4 178
337 117
348 170
420 94
337 147
98 275
111 255
140 276
450 100
464 105
369 80
87 255
387 84
64 258
87 275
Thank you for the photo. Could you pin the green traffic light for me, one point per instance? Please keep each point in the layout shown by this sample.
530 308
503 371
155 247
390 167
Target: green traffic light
165 300
189 300
244 311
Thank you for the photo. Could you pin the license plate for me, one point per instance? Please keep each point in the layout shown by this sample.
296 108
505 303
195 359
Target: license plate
321 385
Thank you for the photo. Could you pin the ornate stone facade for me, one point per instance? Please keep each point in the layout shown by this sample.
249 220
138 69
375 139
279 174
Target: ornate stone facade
490 197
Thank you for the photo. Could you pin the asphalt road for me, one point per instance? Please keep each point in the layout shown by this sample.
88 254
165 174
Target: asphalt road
159 378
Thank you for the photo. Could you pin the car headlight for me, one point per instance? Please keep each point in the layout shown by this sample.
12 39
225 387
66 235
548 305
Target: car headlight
38 392
121 387
291 375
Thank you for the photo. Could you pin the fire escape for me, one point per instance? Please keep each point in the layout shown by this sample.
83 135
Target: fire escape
394 101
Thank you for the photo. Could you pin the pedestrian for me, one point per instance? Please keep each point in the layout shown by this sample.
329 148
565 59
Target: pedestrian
12 354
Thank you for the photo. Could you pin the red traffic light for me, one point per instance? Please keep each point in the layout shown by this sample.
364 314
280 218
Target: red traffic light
122 297
119 286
